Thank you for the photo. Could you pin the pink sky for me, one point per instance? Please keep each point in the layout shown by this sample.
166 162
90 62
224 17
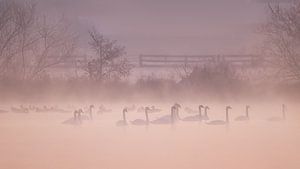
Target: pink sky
169 26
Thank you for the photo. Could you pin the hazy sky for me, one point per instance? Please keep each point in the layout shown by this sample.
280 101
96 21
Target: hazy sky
169 26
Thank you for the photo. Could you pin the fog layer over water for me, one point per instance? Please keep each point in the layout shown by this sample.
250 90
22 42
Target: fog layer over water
40 140
94 70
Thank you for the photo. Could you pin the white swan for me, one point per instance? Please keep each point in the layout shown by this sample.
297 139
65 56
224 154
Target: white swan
245 117
83 116
197 117
22 109
176 112
91 112
221 122
123 122
74 120
278 118
205 117
142 122
167 119
153 109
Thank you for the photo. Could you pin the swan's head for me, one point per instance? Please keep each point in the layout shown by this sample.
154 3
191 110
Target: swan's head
147 109
247 107
125 110
283 106
201 107
177 105
228 107
206 108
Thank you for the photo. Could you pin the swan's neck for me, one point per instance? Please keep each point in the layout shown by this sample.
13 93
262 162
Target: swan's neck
205 112
79 115
124 116
173 114
75 115
147 117
283 111
247 112
177 114
200 113
227 116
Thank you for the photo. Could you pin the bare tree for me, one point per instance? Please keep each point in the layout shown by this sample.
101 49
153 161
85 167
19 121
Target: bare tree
109 62
15 19
56 43
183 71
29 43
282 32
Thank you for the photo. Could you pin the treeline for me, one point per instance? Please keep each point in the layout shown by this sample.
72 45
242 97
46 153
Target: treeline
202 83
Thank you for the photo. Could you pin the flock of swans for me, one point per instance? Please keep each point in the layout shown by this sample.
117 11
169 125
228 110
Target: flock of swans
200 115
172 118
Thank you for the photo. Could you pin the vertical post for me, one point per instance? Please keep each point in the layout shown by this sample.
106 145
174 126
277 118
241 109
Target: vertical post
141 60
185 60
165 60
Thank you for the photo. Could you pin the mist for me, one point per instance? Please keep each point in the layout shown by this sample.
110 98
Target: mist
165 84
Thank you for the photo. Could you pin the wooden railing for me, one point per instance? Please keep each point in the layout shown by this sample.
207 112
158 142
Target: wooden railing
178 60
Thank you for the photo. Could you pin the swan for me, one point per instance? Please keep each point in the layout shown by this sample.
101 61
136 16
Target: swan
205 117
123 122
22 109
195 117
167 119
59 110
84 116
278 118
74 120
91 112
141 122
221 122
244 118
176 111
153 109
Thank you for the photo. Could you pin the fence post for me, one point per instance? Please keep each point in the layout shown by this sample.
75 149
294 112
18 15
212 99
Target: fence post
141 61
